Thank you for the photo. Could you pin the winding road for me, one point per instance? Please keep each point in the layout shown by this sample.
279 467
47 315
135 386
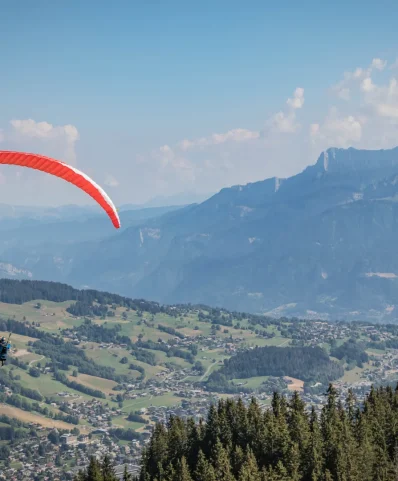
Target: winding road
35 360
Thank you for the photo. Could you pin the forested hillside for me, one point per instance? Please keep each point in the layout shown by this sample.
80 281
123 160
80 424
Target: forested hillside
111 367
293 247
18 292
307 363
284 443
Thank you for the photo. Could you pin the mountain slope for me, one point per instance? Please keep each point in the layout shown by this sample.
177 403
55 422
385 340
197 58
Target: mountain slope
323 240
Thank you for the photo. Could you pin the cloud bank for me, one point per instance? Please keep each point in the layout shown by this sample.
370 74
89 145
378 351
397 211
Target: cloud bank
358 110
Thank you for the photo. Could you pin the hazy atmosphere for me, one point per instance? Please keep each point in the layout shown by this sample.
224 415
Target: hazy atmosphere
198 240
158 99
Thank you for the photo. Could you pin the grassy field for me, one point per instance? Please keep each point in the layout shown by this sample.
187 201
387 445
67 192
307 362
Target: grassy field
165 400
53 317
48 386
93 382
122 422
30 417
295 385
251 383
376 352
354 375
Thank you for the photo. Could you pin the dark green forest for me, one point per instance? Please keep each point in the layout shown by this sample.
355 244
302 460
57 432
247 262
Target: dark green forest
288 442
18 292
307 363
353 352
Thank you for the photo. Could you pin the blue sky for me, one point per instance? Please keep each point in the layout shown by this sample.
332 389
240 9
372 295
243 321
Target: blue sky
134 79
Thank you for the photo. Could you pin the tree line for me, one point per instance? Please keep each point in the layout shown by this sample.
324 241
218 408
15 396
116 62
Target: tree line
353 352
22 403
62 378
101 471
288 442
7 380
100 334
20 291
306 363
65 354
170 351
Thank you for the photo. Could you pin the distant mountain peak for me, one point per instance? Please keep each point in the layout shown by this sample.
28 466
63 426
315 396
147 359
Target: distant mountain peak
339 160
322 241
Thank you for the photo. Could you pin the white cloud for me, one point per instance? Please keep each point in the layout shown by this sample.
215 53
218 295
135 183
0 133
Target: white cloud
60 139
298 99
343 88
284 123
111 181
171 165
337 131
314 129
344 93
357 74
394 65
235 135
386 110
370 120
282 145
367 85
378 64
382 99
223 158
44 130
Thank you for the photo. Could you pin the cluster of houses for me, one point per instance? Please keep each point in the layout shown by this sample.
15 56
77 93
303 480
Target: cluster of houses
63 460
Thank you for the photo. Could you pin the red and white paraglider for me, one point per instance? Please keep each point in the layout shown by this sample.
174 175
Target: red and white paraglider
66 172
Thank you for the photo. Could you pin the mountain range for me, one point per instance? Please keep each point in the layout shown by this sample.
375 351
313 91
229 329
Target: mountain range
320 244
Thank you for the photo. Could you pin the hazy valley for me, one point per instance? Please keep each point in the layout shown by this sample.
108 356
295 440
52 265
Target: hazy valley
319 244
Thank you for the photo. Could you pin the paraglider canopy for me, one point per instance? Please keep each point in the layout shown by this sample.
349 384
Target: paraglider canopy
66 172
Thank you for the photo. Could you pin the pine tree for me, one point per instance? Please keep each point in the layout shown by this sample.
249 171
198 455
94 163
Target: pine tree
221 463
347 455
211 431
126 475
193 443
168 474
155 456
204 470
81 476
241 424
176 439
328 476
350 404
94 471
365 448
107 469
281 473
238 459
225 423
256 428
330 424
249 470
298 419
313 458
293 463
182 471
282 439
